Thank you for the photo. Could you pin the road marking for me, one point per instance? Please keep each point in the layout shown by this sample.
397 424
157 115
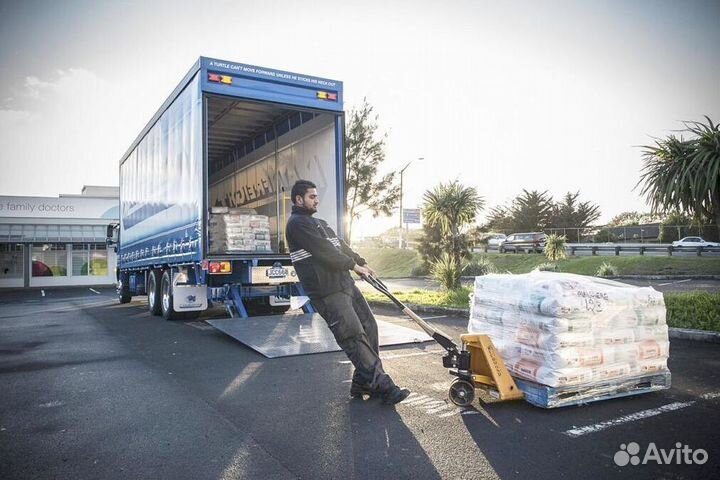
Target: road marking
419 401
199 325
435 317
670 407
439 409
710 396
94 291
672 283
42 292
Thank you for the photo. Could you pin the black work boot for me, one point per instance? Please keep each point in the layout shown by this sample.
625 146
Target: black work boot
358 390
394 395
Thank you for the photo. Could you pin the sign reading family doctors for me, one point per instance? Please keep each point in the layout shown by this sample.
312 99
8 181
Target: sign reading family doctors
62 207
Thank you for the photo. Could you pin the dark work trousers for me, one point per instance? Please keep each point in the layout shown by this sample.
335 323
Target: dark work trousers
356 332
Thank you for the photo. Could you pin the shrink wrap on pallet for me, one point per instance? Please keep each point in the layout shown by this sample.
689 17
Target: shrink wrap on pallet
238 230
560 330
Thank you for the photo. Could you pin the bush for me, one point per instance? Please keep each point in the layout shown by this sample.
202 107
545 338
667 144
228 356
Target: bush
606 270
479 267
447 271
547 267
555 247
698 310
421 270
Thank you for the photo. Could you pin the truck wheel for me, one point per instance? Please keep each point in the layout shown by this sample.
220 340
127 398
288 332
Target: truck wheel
123 290
153 293
166 296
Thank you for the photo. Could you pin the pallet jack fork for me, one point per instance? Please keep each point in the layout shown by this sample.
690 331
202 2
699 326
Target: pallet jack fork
477 364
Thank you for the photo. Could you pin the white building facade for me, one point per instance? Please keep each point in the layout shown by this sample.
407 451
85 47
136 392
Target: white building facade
47 241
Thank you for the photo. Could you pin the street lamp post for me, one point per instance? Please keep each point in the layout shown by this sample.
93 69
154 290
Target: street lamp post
400 241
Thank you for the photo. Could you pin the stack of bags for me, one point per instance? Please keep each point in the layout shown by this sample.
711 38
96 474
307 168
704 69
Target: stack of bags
559 330
238 230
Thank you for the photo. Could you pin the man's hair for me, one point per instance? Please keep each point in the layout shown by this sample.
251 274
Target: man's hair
300 188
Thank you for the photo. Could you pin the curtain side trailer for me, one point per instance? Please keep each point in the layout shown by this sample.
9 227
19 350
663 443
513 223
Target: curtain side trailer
205 189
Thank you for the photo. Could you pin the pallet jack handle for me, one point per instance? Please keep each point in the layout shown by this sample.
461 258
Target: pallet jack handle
440 337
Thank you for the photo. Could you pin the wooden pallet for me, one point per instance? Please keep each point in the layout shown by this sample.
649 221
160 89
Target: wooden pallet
553 397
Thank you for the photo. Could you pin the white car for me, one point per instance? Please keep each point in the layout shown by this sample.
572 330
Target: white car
693 242
495 240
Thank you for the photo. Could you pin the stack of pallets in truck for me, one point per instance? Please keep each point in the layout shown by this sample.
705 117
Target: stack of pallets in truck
238 230
570 339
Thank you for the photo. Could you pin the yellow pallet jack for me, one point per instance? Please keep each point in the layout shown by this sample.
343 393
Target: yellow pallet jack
477 364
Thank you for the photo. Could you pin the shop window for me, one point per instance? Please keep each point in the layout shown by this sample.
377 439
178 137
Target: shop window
89 259
11 260
49 260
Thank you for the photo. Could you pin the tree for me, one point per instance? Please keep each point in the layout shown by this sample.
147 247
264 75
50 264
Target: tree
532 211
626 219
684 175
569 213
452 206
555 247
364 152
499 219
431 244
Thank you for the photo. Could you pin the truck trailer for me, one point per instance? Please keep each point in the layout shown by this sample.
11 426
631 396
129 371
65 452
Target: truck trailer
205 189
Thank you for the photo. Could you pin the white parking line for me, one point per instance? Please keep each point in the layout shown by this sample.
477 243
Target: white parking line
42 292
670 407
672 283
200 325
94 291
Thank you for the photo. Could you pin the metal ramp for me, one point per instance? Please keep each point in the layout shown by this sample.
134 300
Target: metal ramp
299 334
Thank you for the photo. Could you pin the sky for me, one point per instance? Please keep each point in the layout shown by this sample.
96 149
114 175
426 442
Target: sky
502 96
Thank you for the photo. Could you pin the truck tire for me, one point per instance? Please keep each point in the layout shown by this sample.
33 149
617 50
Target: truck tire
123 290
166 298
153 293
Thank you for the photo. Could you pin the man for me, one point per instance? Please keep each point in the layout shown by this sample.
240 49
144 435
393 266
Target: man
322 262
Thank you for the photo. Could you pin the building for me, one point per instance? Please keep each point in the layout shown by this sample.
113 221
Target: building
47 241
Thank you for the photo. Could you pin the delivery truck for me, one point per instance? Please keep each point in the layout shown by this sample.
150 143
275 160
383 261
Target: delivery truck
205 189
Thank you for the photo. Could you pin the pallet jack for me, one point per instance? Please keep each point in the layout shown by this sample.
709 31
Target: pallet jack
476 364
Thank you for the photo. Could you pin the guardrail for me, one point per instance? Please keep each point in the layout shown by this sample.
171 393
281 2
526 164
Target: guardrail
640 248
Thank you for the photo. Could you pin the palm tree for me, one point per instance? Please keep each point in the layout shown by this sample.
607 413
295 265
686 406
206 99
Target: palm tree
452 206
684 175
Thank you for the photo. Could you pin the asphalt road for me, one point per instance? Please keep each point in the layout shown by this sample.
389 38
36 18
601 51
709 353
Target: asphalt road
94 389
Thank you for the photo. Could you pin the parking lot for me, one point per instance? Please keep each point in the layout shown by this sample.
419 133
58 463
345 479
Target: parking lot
94 389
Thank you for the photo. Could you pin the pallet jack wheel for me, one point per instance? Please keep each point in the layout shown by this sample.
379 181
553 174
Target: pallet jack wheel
462 392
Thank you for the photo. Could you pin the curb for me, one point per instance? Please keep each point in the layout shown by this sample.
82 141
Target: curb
673 332
696 335
425 308
641 277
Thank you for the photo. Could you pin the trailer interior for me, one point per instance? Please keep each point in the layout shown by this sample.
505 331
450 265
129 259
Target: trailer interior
256 151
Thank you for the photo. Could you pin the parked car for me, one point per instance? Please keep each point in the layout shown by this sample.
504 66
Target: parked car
495 240
524 242
693 242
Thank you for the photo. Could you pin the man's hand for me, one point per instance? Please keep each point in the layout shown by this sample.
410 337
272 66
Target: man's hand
362 271
372 272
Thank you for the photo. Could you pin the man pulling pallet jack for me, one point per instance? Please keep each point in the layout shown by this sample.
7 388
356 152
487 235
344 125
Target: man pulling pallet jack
322 262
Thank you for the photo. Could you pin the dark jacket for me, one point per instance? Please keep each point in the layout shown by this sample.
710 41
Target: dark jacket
321 259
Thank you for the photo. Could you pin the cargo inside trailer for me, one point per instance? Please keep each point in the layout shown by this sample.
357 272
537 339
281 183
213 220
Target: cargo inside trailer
255 153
